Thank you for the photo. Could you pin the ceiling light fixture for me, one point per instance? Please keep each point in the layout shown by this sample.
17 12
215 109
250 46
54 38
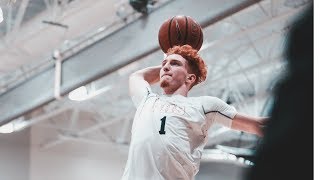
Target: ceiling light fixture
1 15
13 126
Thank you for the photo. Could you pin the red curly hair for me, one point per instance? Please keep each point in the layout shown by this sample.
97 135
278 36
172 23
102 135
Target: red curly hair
195 62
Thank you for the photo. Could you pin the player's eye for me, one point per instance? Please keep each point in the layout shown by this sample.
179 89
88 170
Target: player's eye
175 63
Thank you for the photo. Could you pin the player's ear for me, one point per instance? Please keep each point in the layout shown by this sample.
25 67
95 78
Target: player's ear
191 78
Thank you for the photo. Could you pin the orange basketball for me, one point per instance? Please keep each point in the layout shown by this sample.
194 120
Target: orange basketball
180 30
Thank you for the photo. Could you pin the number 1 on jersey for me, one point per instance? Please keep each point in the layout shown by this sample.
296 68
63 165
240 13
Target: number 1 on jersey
163 123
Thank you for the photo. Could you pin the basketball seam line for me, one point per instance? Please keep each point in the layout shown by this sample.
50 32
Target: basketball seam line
199 38
169 31
186 36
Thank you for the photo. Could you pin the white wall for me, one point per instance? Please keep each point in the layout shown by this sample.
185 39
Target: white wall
74 160
14 155
77 161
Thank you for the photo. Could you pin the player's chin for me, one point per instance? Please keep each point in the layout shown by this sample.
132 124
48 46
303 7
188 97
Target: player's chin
164 83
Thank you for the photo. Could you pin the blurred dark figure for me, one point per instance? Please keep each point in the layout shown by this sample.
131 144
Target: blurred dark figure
286 152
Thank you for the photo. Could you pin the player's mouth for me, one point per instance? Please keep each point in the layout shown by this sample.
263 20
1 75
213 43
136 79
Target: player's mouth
166 75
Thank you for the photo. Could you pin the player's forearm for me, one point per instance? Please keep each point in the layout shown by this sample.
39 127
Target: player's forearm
249 124
149 74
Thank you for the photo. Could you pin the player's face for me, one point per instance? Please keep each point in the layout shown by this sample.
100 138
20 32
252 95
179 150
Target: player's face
173 72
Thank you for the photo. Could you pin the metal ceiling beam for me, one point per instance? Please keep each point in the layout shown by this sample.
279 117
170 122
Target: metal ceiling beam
9 20
84 132
270 62
20 15
124 46
253 28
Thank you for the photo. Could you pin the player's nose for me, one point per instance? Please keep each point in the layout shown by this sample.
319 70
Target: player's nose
166 67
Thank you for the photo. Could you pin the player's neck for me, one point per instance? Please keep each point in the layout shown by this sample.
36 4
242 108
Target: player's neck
180 91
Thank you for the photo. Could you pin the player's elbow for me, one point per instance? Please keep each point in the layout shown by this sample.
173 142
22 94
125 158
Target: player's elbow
135 76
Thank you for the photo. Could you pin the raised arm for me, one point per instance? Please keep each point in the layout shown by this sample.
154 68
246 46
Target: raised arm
140 81
249 124
227 116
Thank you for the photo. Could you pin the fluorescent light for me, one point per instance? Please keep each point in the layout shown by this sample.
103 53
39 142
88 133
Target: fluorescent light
7 128
78 94
18 125
1 15
14 125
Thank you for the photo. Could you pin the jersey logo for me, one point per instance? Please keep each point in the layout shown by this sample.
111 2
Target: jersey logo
166 107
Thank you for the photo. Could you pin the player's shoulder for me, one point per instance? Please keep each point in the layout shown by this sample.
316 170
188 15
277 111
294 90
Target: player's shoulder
195 98
204 99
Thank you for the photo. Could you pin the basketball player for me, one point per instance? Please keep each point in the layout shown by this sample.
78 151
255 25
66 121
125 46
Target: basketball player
169 130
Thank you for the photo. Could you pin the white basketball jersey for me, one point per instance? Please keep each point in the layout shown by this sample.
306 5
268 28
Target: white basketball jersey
169 134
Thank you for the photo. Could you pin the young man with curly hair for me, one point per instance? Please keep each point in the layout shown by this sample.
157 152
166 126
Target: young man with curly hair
169 130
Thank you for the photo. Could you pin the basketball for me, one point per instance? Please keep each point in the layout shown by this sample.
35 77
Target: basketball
180 30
